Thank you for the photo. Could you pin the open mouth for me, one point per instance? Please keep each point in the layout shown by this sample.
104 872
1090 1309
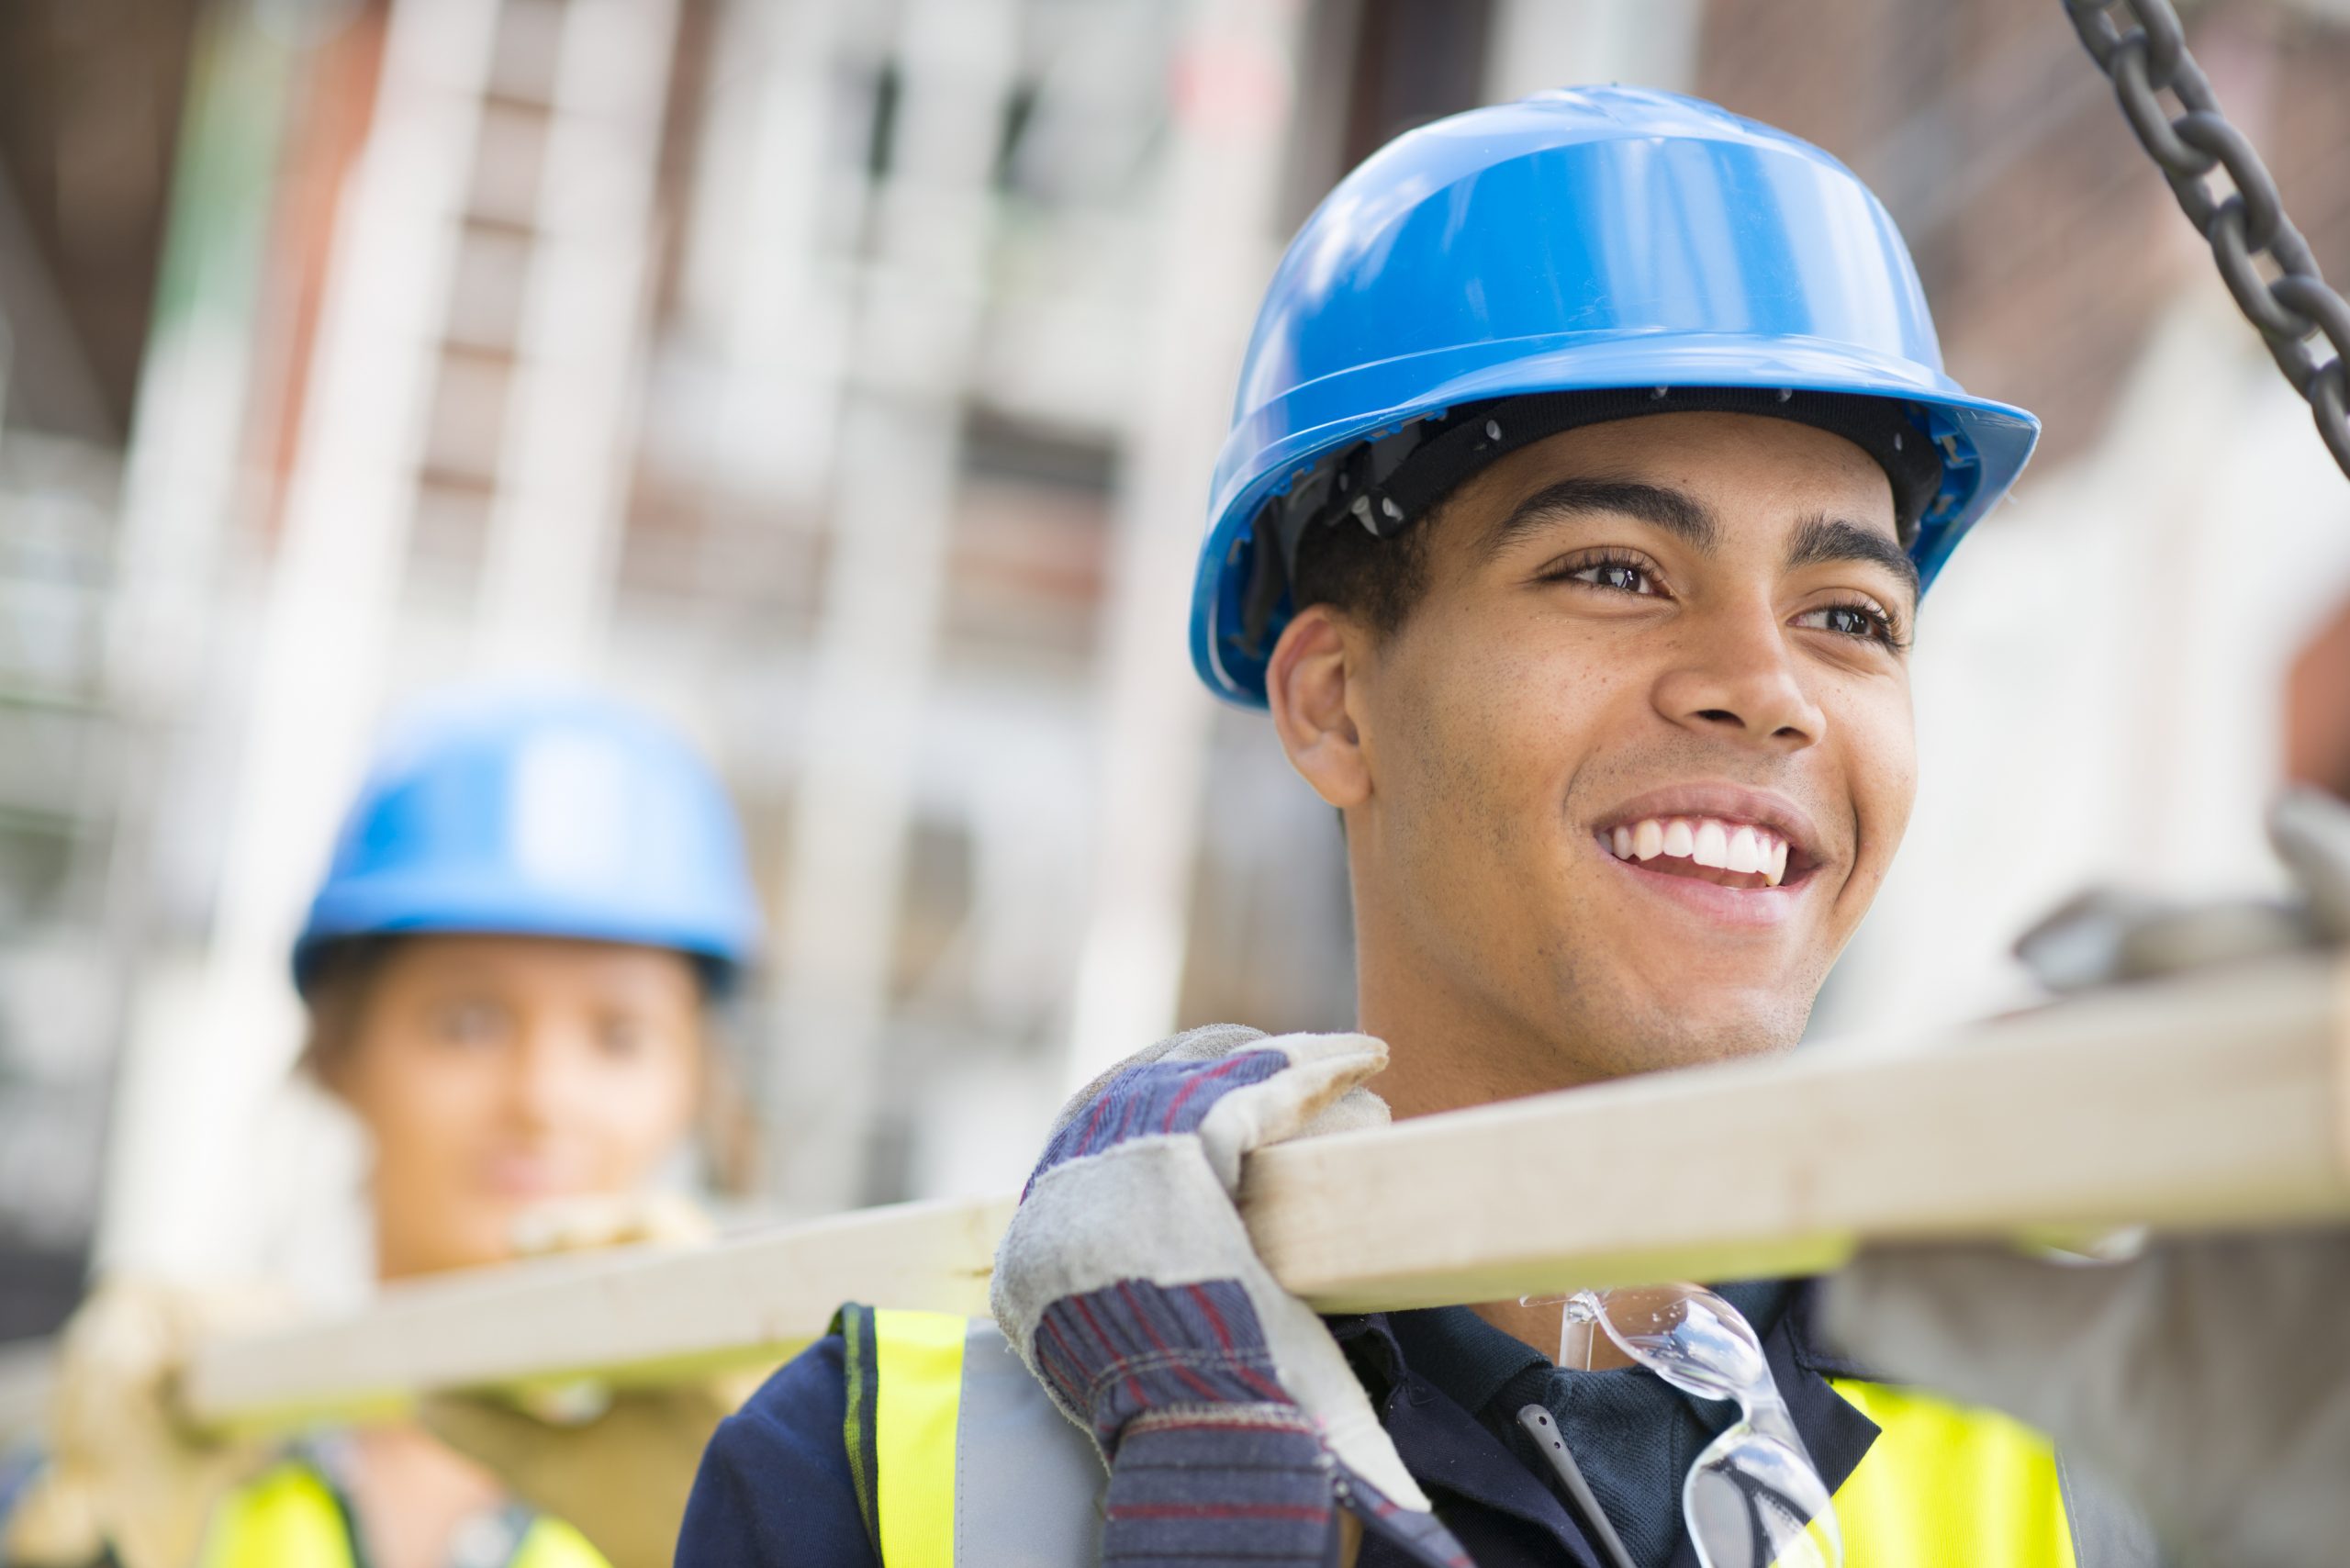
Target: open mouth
1720 850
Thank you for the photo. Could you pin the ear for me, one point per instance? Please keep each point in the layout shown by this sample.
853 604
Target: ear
1313 683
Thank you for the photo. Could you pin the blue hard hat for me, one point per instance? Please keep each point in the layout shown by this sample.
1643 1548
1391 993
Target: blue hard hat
539 814
1591 253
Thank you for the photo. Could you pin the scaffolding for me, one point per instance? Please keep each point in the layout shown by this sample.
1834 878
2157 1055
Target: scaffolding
791 370
841 380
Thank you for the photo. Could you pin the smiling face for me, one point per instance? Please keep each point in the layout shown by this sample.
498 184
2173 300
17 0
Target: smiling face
497 1074
1649 660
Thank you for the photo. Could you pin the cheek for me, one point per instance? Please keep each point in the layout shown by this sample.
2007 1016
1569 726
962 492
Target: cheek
418 1101
1533 714
645 1105
1881 755
1500 726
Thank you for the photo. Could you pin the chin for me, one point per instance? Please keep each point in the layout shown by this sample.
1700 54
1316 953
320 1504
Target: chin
1663 1033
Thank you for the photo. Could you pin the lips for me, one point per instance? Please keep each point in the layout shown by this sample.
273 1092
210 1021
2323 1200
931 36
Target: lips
528 1178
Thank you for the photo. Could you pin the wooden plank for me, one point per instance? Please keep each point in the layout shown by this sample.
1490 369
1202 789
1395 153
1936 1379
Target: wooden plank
627 1314
2213 1102
2217 1100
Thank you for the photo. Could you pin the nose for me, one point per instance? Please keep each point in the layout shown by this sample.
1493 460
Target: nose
545 1075
1736 679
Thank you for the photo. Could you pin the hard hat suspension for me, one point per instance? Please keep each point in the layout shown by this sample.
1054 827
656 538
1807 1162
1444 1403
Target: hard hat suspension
1391 480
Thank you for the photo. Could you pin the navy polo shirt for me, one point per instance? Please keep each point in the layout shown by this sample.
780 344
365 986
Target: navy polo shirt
775 1489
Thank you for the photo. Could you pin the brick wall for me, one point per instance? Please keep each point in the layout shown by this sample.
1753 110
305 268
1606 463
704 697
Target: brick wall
2046 239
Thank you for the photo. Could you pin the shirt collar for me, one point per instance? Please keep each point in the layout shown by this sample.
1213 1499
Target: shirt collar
1461 1353
1471 1360
1836 1433
1435 1355
1445 1447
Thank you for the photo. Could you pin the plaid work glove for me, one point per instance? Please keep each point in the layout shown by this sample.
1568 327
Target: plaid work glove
1234 1429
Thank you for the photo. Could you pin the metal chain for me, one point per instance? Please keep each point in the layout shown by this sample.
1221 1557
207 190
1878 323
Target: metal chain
2243 225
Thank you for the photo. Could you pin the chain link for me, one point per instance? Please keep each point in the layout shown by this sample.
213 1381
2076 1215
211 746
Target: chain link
2241 226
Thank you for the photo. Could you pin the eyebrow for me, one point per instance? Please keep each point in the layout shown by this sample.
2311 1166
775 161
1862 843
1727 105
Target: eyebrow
1822 541
1676 511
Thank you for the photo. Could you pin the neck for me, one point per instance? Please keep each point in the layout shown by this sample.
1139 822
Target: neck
394 1262
1449 1048
1444 1056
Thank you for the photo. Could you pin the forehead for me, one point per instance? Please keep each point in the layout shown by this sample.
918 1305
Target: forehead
1756 472
542 963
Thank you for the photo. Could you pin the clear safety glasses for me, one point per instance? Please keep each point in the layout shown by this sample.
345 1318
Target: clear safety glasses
1752 1499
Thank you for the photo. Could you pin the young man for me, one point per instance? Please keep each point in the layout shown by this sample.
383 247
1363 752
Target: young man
1592 454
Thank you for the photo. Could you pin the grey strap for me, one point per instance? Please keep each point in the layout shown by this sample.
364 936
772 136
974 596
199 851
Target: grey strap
1028 1484
2108 1530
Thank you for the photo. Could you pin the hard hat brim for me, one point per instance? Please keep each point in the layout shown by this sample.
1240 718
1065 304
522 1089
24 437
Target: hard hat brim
1986 444
383 907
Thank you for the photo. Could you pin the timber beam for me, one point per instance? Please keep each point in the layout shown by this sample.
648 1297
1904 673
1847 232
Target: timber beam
2217 1101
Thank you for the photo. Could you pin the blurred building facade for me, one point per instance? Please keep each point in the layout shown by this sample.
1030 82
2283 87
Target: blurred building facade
840 379
91 101
2101 675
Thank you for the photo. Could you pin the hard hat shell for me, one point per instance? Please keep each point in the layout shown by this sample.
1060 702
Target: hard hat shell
1582 239
539 814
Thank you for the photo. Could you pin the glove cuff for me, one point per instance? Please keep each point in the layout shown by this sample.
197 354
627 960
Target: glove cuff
1213 1483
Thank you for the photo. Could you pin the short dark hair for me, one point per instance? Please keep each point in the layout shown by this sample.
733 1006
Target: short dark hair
341 983
1374 581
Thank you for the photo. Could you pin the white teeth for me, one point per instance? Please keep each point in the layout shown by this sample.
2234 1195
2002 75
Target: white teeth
1745 851
1740 848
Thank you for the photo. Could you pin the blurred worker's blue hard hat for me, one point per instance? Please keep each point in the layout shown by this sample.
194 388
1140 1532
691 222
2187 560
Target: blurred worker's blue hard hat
539 814
1594 253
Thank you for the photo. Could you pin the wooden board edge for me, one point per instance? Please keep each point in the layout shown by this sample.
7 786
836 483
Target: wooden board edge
657 1312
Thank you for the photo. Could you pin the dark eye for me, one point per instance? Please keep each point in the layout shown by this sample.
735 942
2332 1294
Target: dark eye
469 1023
623 1038
1615 575
1861 621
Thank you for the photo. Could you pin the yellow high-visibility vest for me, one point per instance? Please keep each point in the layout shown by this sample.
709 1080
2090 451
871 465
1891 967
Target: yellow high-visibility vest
290 1517
961 1461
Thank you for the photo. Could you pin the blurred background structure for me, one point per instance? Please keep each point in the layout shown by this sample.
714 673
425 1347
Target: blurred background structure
840 379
